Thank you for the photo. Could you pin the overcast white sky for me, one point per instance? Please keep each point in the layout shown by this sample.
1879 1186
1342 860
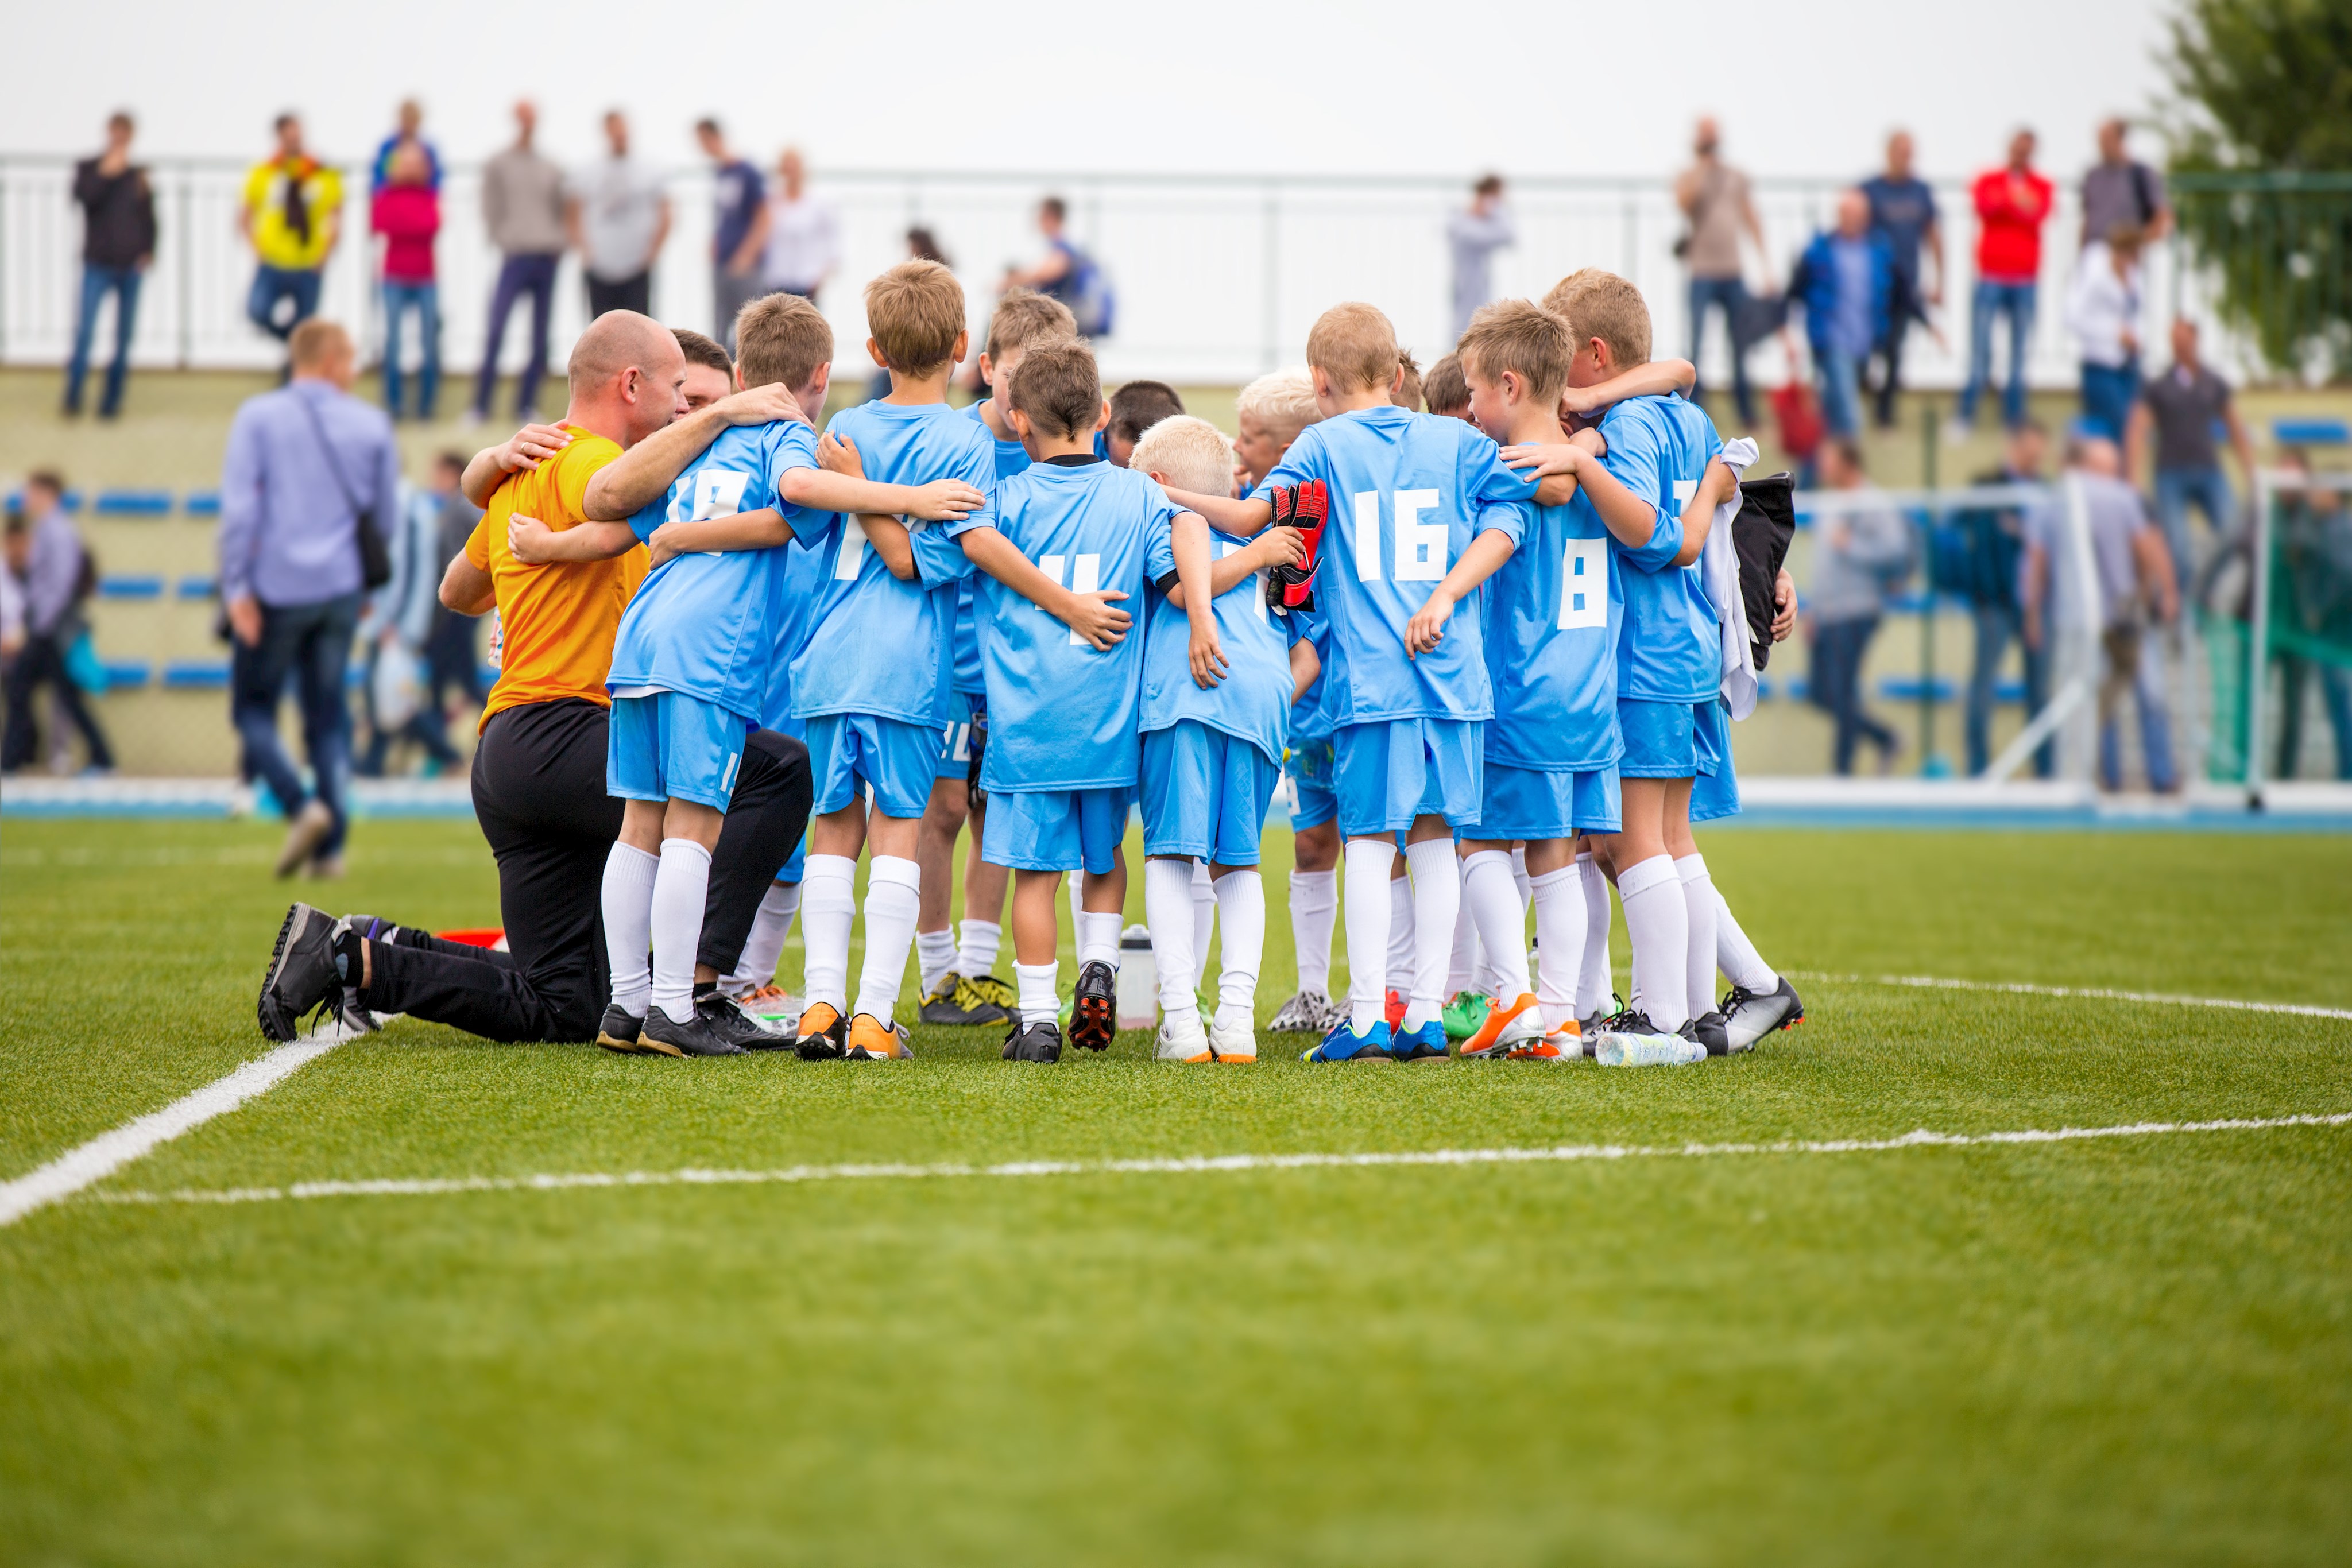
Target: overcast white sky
1804 86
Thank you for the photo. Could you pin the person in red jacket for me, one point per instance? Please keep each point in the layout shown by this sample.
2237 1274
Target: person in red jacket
407 212
2013 203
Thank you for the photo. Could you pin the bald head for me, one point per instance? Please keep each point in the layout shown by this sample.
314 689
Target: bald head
628 373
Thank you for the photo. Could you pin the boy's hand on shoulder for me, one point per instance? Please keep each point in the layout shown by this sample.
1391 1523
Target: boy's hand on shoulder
1541 459
1426 629
838 454
526 448
947 500
664 544
759 405
1590 440
527 537
1093 617
1208 656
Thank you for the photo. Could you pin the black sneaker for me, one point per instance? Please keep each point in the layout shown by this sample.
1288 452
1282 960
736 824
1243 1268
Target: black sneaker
696 1037
1707 1028
303 975
618 1030
955 1003
1037 1043
1093 1011
734 1025
1748 1016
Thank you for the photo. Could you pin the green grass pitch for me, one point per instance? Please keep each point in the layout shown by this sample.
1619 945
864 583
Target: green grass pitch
2120 1350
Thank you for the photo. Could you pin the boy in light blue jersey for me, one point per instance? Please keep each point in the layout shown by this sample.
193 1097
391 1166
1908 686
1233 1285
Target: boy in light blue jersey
1064 545
1410 495
957 968
1211 747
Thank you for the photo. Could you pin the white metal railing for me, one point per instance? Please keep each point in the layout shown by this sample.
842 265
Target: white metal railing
1218 276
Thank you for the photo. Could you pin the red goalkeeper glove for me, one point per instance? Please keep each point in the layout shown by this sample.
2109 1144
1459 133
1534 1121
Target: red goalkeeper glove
1303 508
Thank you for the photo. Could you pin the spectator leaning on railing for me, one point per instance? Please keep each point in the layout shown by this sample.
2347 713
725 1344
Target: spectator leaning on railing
1473 235
1846 280
2011 204
309 469
1902 209
118 241
2103 311
406 211
2119 191
56 578
1860 558
293 215
523 209
1714 197
618 216
738 230
1992 570
802 237
408 131
2182 408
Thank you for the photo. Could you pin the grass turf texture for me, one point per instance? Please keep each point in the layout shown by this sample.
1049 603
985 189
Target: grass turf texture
2125 1350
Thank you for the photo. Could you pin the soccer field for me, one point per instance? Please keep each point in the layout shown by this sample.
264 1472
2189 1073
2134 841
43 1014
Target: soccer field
1703 1327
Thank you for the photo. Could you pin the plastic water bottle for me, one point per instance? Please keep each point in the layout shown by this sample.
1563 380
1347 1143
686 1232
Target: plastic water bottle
1139 980
1612 1049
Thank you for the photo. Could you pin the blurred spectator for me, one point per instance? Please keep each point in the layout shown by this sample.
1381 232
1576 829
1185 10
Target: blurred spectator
308 466
523 209
1860 558
406 211
409 132
2314 598
2012 203
1714 197
1067 273
2183 408
17 558
452 659
118 241
1846 280
803 233
2132 581
2103 312
619 218
1474 235
738 231
58 575
1993 567
2119 191
1903 208
293 215
394 627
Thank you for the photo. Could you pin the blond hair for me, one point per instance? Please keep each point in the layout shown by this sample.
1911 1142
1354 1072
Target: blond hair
781 337
315 340
1058 388
1284 399
1356 346
1024 318
916 313
1187 453
1516 336
1597 303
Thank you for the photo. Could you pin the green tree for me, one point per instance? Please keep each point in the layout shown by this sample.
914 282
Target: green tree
2262 136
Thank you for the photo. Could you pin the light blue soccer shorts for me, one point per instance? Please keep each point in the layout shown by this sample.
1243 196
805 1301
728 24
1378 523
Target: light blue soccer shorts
955 737
1056 829
894 757
1389 772
1538 804
1714 793
1661 739
667 746
1311 765
1205 793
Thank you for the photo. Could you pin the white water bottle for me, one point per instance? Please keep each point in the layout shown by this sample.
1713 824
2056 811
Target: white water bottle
1139 980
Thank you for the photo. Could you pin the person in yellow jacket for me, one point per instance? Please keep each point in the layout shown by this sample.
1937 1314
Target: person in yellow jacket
293 215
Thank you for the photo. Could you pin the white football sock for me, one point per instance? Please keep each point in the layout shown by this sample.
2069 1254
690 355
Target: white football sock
1167 915
935 953
1658 922
1436 905
893 903
1204 913
765 945
1700 903
681 887
628 901
1559 943
1494 903
1462 965
1401 948
1519 876
1369 913
1040 1003
1593 976
1099 935
976 953
1741 964
828 911
1078 881
1313 909
1241 905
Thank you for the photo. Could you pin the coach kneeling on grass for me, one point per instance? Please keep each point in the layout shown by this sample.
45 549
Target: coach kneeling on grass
539 776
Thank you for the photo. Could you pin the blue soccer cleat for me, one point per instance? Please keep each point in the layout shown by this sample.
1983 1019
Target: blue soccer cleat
1427 1044
1344 1044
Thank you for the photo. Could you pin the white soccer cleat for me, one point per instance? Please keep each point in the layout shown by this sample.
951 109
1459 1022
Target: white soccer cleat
1233 1042
1308 1012
1749 1017
1182 1039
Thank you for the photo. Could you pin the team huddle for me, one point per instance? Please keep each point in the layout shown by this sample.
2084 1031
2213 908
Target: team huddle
1494 647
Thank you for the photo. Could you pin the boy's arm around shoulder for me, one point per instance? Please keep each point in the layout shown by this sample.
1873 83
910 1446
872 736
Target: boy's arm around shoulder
763 529
535 544
1092 616
1719 486
1659 378
636 478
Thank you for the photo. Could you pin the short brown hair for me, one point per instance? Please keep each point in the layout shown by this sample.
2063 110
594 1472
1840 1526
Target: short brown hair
1407 393
1597 303
1443 390
781 337
1024 318
701 350
1136 406
314 341
1058 388
1516 336
916 313
1355 345
48 479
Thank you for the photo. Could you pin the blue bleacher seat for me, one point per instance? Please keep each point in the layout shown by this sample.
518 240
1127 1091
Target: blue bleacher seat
199 587
124 674
1908 688
203 504
2310 430
130 587
196 674
2009 691
134 502
72 501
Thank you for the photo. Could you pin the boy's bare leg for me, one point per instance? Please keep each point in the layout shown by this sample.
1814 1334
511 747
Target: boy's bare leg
943 819
1313 909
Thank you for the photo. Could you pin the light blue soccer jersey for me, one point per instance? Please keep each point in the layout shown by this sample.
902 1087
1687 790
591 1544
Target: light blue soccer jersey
1669 642
1062 714
1408 493
1012 457
804 581
706 624
1310 716
879 645
1552 615
1253 702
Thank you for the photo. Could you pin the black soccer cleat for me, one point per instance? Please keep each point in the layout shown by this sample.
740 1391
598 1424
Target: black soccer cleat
1708 1030
1093 1011
734 1025
303 977
618 1030
1034 1042
663 1036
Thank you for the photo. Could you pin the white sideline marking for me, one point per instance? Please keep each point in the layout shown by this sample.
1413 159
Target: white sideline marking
109 1152
1202 1165
2104 993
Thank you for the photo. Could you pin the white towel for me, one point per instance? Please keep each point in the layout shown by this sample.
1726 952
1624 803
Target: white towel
1718 564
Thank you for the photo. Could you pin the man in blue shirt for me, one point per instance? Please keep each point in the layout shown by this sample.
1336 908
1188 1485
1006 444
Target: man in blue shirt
1903 210
738 230
1846 282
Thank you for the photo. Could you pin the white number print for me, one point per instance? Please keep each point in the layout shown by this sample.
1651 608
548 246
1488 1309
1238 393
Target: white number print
1257 579
1420 547
707 493
1086 579
1367 536
1584 585
852 560
1683 490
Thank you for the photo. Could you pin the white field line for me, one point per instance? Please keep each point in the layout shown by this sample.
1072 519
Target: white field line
2102 993
1203 1165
